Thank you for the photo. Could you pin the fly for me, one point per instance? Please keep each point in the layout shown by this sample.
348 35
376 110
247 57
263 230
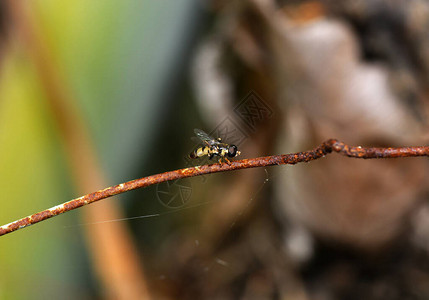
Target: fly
213 147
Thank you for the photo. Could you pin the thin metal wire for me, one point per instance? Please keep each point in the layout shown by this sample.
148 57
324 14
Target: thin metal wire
325 148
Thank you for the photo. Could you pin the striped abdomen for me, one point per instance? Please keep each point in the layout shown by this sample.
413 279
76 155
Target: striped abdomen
202 151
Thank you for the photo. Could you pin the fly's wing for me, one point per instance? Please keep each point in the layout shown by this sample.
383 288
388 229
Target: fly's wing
205 137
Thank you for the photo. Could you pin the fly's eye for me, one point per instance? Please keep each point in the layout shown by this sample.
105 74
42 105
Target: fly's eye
232 151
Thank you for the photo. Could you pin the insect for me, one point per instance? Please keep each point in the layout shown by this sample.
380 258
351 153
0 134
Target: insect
211 147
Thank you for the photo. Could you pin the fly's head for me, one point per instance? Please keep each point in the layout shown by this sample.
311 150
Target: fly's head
233 151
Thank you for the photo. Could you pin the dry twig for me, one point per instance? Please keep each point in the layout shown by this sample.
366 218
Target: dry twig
327 147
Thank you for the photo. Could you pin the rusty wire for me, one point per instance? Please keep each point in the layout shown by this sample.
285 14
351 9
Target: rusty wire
327 147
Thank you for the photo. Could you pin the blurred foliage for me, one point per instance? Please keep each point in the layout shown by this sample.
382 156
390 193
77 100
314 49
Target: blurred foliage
33 177
120 62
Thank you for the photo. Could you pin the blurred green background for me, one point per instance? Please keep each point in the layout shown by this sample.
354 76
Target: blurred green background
125 63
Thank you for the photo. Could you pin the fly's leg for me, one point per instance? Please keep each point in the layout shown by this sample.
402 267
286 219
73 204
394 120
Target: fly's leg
226 159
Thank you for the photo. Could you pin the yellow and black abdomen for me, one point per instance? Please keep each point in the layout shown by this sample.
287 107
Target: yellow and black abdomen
202 151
